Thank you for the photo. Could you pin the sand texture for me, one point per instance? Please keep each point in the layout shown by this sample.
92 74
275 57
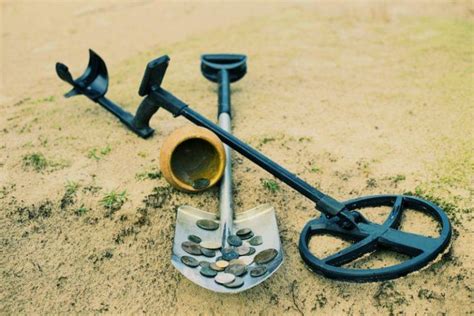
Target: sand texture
357 98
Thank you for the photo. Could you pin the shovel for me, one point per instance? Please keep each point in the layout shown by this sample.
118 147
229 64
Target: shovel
261 220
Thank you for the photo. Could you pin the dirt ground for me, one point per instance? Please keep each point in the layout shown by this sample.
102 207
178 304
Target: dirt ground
357 98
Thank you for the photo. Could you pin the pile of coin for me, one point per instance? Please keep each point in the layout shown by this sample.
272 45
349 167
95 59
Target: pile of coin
230 264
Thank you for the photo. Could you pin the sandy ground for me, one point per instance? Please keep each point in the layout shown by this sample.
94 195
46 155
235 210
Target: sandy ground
356 98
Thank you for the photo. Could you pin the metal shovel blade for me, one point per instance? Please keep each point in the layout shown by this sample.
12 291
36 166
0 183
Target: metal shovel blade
261 220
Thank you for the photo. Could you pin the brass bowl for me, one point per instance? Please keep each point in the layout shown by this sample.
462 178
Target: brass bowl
192 159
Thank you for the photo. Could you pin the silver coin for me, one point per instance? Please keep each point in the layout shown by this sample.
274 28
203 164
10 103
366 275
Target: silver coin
243 232
207 224
201 184
238 282
265 256
204 264
208 252
191 248
209 244
243 250
194 238
256 241
208 272
246 260
224 278
234 240
258 271
189 261
236 269
248 236
230 255
215 267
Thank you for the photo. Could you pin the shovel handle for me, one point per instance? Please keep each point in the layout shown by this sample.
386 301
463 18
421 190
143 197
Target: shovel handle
225 191
224 93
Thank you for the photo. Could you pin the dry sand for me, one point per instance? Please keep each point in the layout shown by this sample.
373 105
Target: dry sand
356 98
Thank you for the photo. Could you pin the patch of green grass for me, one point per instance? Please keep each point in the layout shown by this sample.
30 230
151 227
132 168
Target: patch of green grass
271 185
81 210
371 183
69 194
305 139
36 161
142 154
267 140
398 178
387 296
50 98
151 175
113 201
452 210
99 153
264 141
92 154
106 150
315 169
71 187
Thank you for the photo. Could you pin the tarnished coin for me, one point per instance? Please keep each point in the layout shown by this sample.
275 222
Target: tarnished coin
208 252
207 224
224 278
209 244
258 271
243 250
236 269
252 250
265 256
248 236
191 248
204 264
222 264
234 240
256 241
215 267
236 261
243 232
208 272
194 238
201 183
238 282
189 261
230 255
246 260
